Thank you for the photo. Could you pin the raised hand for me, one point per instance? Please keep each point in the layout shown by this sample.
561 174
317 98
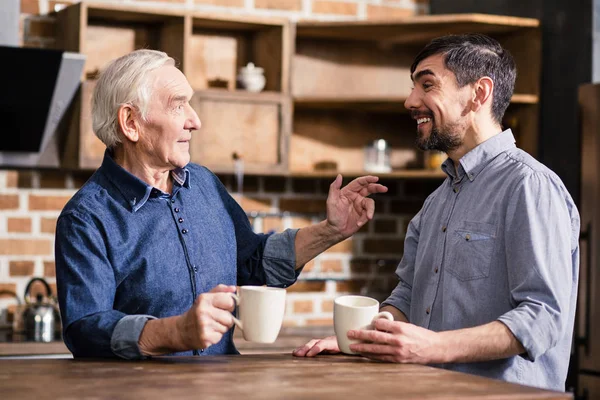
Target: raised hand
349 208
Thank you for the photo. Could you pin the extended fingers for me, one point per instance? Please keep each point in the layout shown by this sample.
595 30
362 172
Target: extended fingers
316 346
383 324
373 336
372 348
302 350
366 185
373 188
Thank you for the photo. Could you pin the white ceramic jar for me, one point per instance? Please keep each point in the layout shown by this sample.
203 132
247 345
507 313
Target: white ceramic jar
252 78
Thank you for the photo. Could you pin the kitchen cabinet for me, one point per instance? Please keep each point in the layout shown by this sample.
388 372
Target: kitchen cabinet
587 357
350 81
209 49
332 87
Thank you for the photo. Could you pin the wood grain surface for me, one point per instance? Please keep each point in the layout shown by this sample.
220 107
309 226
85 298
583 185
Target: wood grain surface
260 376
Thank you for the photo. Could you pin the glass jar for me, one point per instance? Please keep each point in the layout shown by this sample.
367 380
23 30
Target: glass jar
377 157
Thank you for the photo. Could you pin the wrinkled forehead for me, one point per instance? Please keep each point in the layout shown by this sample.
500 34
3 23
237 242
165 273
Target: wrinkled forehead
168 81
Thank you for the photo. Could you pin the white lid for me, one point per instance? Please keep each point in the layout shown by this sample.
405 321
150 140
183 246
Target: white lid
250 68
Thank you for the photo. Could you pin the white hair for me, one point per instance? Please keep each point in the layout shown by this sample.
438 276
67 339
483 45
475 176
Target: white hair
124 81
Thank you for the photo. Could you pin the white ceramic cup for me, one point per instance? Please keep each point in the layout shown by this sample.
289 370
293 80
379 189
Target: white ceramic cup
260 312
354 312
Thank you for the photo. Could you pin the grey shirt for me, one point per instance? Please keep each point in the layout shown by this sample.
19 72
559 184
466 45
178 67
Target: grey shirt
498 240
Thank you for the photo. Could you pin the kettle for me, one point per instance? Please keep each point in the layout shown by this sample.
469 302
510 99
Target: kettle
39 317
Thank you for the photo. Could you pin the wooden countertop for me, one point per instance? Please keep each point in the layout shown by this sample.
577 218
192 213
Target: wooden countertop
289 338
254 376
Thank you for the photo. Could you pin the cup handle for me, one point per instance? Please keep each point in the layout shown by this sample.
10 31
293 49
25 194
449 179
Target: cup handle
384 314
236 321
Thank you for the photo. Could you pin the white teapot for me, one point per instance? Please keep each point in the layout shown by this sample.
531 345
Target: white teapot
252 78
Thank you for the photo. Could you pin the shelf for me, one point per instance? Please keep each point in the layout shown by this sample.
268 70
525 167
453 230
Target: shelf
378 104
414 30
217 48
329 174
241 96
525 99
407 173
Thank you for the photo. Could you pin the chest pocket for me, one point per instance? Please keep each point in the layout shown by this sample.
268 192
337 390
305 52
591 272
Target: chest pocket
471 248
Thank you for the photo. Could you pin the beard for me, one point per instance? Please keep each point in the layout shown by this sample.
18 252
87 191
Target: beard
444 139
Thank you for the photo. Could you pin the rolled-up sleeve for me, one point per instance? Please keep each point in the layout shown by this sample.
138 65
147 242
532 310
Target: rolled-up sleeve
279 259
539 254
125 337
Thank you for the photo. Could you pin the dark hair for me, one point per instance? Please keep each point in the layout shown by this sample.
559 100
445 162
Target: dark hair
473 56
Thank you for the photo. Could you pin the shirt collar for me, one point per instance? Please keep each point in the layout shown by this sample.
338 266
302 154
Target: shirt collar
135 191
472 163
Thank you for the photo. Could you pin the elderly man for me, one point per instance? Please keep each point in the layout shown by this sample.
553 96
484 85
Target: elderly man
488 280
150 249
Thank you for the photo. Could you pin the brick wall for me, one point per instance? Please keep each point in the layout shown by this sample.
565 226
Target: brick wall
30 202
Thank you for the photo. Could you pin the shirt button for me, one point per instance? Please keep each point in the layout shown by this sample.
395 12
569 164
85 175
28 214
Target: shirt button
172 200
201 350
435 270
455 190
184 231
468 237
195 269
443 229
176 209
428 310
180 220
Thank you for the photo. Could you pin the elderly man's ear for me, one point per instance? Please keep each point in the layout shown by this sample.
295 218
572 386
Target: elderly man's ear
128 121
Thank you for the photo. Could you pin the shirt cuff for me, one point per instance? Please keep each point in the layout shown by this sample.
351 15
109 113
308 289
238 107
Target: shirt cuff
279 259
531 334
400 298
125 336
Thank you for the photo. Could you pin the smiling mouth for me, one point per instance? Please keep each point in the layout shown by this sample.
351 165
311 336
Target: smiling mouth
423 120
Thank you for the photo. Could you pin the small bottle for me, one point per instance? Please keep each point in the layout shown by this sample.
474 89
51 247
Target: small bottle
434 159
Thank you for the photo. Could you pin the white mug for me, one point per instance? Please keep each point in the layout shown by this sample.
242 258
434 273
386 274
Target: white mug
354 312
260 311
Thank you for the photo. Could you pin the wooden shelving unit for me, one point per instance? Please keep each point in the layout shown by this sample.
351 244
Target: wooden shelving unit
397 174
249 124
381 104
208 48
332 87
350 81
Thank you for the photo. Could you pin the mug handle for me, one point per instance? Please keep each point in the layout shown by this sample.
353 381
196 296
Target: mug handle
384 314
236 321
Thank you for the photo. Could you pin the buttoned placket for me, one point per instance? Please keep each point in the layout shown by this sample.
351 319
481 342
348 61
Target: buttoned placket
177 211
436 270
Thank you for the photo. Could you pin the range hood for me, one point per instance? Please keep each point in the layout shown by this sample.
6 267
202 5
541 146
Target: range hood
38 86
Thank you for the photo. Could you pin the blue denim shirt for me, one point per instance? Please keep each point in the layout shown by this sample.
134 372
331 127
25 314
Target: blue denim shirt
127 252
498 240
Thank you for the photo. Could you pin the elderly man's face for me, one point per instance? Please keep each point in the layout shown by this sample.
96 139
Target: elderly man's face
166 133
438 105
